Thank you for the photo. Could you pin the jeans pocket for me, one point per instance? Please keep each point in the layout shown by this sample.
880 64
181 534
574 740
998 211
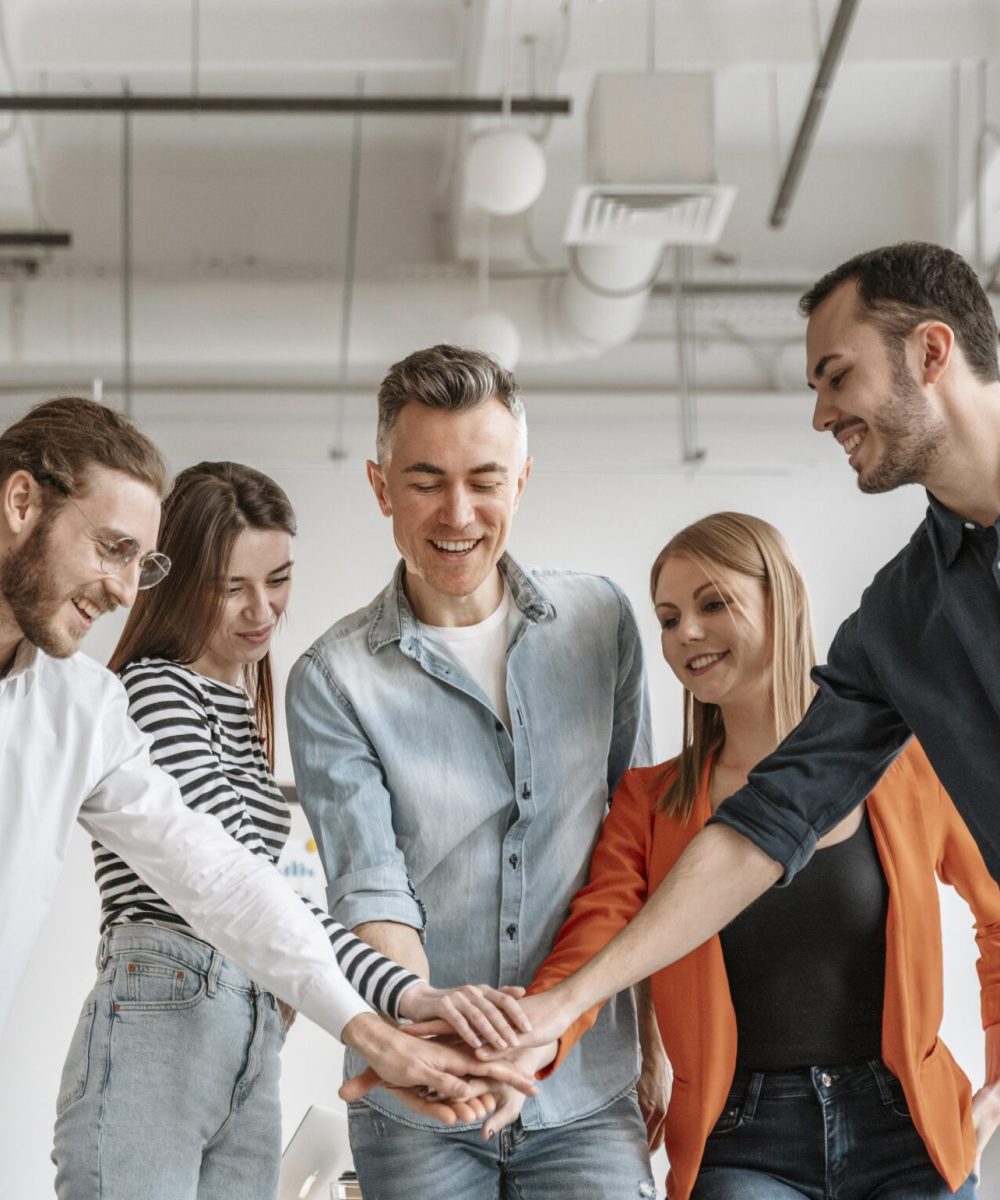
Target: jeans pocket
148 982
731 1117
897 1101
76 1068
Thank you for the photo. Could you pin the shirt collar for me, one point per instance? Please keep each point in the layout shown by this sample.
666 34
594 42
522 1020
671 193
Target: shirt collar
948 527
25 662
394 617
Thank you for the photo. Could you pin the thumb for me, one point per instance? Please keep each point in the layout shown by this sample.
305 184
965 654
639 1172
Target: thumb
360 1085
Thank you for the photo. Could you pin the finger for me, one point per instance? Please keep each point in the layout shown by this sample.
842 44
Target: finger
490 1020
421 1029
439 1110
512 989
451 1012
508 1111
441 1081
508 1004
506 1073
360 1085
656 1139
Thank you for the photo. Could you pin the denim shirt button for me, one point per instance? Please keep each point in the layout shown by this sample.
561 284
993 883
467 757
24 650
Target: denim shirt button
526 792
513 860
511 931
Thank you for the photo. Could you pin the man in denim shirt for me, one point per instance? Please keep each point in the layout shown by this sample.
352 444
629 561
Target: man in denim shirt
455 744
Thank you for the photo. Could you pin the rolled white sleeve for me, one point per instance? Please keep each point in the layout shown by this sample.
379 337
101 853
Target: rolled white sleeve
236 900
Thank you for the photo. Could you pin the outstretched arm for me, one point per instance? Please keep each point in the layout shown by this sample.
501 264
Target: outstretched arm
716 877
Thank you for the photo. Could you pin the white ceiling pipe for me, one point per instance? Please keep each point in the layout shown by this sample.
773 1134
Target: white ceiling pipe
218 320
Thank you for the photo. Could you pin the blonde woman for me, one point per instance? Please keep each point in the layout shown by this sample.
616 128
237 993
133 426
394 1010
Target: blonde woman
804 1039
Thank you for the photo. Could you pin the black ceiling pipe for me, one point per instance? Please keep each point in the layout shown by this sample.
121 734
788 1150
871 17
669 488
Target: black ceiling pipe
89 102
814 107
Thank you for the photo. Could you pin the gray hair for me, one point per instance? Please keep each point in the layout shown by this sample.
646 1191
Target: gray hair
449 378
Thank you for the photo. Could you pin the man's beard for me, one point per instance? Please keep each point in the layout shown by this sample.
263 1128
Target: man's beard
911 435
29 591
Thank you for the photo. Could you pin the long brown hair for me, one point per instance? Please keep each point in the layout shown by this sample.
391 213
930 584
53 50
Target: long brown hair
745 545
209 506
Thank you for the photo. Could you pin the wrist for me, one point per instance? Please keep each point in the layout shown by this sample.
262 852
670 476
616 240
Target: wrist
367 1034
412 999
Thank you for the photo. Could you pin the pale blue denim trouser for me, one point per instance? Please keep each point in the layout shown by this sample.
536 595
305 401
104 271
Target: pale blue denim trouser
170 1087
600 1157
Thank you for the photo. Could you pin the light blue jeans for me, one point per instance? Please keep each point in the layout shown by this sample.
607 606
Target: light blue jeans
600 1157
170 1087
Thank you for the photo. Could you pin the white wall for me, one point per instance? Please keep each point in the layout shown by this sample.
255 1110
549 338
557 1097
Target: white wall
595 503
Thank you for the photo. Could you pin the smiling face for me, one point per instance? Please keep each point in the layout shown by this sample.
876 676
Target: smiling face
256 586
51 580
715 632
451 487
868 397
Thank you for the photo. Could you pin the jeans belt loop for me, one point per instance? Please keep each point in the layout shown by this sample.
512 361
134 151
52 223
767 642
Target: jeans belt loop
214 971
880 1073
753 1095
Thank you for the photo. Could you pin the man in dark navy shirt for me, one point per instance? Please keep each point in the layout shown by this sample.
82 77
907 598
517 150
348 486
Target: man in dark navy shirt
902 353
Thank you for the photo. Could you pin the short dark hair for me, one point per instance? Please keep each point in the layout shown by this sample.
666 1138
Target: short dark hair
453 378
60 441
900 286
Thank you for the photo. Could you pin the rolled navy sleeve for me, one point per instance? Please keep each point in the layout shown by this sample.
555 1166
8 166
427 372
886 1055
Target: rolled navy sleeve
341 786
827 765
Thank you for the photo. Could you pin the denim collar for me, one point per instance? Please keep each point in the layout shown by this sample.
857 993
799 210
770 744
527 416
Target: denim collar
948 528
394 620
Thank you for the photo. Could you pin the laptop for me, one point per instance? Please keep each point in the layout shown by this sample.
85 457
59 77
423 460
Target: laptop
316 1154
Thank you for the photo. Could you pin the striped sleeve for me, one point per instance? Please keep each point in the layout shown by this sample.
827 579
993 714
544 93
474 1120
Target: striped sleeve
196 747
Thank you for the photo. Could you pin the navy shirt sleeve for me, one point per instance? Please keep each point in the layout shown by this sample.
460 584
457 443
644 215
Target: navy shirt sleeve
827 765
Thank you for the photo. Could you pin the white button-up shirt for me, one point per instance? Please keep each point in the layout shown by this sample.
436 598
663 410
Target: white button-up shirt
69 752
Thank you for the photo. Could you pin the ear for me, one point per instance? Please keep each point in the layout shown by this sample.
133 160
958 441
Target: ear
20 501
936 341
379 486
522 479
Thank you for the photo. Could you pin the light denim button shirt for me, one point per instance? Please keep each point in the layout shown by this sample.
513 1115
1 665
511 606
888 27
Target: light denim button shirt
428 812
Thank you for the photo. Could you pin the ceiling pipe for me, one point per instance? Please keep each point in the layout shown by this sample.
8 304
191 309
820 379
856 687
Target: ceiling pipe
828 63
87 102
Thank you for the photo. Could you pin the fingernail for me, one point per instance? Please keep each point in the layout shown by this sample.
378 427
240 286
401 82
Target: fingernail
489 1133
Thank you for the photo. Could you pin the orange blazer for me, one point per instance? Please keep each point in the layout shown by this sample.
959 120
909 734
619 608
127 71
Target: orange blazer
918 834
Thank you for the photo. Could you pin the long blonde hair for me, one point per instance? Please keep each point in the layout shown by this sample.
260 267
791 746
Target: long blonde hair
744 545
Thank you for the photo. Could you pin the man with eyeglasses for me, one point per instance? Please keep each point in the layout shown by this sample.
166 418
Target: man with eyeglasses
80 492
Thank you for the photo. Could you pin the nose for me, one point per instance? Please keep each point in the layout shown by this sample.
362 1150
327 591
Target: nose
690 629
257 607
825 414
123 585
456 508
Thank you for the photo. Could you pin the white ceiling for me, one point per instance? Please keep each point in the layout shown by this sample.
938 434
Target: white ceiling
264 199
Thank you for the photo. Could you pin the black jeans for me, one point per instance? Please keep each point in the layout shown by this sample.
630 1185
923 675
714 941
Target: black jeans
824 1133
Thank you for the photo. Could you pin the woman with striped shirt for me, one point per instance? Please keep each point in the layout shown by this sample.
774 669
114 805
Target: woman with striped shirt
189 1057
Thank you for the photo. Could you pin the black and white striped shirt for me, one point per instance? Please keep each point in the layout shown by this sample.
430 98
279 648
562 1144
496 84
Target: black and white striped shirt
205 736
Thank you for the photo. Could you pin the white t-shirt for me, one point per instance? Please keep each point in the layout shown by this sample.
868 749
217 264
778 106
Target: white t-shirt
480 650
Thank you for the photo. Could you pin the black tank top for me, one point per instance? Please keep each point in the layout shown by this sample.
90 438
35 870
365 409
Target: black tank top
806 963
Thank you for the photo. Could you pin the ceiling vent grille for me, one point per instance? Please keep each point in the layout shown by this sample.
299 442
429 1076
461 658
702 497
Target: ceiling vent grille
669 214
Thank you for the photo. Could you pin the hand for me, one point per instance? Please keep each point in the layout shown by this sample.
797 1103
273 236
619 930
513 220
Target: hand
550 1014
510 1101
474 1012
472 1109
655 1083
985 1118
414 1062
287 1013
